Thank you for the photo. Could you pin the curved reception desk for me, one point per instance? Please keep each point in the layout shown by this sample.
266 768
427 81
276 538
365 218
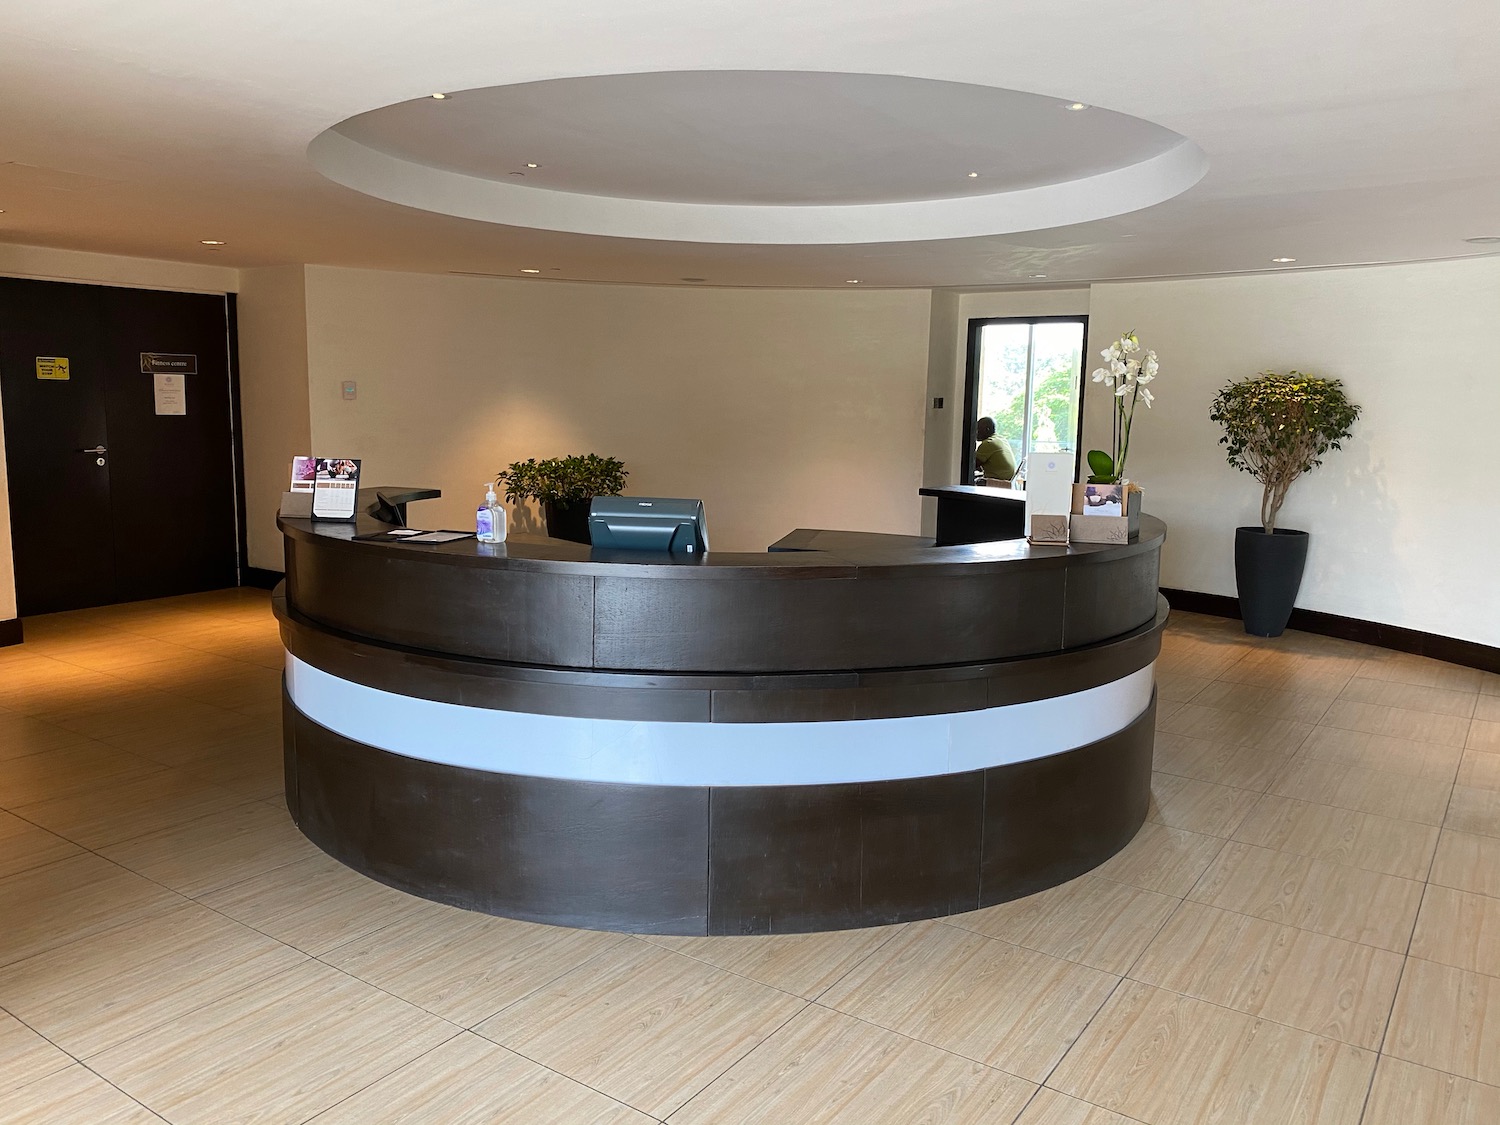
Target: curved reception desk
848 730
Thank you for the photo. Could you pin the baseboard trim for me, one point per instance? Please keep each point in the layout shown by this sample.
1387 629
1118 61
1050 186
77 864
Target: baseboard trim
1471 654
10 631
259 578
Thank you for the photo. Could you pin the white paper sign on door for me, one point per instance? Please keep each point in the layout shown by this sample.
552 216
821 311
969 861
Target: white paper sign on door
171 394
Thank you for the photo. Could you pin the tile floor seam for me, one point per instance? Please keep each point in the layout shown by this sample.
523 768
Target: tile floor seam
1341 808
806 1004
1262 1018
568 1077
319 960
238 804
98 933
1031 948
529 992
74 1060
382 1078
896 928
1306 929
926 1042
1078 1038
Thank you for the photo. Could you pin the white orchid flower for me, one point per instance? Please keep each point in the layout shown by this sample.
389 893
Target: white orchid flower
1102 376
1145 377
1118 367
1150 366
1129 344
1146 394
1123 391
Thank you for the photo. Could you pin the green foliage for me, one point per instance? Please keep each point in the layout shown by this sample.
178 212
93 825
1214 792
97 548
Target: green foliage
1053 405
1101 467
563 481
1277 427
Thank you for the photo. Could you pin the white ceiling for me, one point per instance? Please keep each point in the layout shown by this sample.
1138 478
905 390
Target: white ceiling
1335 131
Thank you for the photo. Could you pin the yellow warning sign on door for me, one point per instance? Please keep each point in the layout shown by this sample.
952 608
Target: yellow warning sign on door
52 367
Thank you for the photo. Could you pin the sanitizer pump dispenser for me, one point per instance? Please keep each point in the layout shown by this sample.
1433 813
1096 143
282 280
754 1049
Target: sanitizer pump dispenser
489 523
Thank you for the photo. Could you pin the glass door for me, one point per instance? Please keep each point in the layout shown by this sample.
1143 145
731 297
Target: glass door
1025 375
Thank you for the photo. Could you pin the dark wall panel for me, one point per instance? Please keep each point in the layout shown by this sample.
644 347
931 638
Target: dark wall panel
538 617
1050 820
572 853
742 624
1110 597
728 860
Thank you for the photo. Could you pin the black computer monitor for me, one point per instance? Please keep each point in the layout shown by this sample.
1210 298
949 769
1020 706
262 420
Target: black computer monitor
648 523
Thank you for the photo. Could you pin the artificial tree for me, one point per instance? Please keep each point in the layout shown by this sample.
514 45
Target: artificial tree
1278 427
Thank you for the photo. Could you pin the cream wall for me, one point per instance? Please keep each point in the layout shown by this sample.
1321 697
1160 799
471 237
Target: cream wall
273 398
1399 519
103 269
780 409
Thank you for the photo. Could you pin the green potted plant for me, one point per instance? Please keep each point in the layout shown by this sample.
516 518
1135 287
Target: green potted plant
1276 428
564 486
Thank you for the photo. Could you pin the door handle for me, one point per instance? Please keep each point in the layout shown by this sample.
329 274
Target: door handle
96 449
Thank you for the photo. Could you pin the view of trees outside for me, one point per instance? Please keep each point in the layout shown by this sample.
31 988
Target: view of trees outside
1057 365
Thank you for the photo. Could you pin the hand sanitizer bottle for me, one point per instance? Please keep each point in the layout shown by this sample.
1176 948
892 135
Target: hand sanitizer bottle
489 523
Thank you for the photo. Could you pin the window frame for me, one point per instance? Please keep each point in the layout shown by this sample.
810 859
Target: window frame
971 384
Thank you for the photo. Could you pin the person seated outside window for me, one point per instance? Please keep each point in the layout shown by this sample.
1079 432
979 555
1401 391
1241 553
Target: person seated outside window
993 458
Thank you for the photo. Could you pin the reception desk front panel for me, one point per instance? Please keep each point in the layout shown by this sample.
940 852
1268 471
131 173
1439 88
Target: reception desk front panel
747 744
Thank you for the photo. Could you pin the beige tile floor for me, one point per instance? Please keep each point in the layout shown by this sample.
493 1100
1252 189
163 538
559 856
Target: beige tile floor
1307 931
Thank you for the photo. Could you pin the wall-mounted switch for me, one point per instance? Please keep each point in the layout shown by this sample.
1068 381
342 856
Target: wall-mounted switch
937 404
349 390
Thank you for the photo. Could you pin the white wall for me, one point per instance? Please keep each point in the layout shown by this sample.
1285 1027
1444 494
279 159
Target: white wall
103 269
781 409
273 398
1401 531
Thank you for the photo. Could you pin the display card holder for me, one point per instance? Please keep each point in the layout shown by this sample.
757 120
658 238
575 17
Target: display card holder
335 492
296 505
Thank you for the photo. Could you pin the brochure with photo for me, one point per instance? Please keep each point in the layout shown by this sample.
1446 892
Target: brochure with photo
1103 500
304 473
335 488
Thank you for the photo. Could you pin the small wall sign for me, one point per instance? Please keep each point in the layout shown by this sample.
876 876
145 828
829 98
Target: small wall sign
52 367
168 363
171 394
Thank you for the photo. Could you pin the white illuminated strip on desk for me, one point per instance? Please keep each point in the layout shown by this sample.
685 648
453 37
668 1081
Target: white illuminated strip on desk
661 753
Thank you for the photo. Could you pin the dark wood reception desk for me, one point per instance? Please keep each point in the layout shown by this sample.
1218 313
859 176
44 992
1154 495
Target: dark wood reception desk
869 731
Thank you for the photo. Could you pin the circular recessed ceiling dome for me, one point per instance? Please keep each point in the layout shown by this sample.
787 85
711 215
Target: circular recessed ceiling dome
785 157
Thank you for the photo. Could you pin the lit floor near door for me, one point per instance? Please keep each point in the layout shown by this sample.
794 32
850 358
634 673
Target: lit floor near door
1307 930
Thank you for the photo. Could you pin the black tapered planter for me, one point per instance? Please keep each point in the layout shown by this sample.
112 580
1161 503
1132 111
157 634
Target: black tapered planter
570 523
1268 572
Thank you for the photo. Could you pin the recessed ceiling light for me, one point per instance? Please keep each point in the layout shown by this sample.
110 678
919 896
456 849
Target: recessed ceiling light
1038 275
1075 106
438 97
529 165
1484 239
973 175
1283 261
852 281
211 242
531 271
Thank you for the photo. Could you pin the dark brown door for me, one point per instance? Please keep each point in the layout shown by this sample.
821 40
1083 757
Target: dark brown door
111 501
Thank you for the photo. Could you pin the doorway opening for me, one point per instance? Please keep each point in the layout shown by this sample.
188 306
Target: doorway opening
122 443
1026 373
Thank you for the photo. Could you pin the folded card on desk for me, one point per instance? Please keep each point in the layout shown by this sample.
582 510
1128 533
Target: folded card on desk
297 505
1099 529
